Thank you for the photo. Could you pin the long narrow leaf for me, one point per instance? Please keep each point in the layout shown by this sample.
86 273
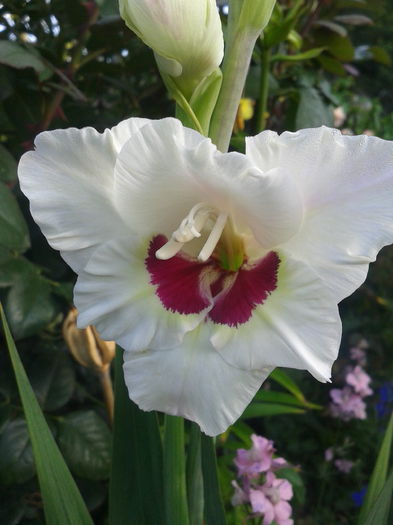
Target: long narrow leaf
194 476
63 503
175 493
136 461
378 477
379 512
214 509
284 380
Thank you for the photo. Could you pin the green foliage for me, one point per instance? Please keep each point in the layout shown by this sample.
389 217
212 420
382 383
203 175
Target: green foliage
63 503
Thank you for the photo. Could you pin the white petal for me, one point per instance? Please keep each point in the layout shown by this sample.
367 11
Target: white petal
298 326
347 186
193 381
69 181
114 294
165 169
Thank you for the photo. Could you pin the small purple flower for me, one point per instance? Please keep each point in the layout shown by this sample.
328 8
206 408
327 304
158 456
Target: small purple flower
270 500
359 381
344 465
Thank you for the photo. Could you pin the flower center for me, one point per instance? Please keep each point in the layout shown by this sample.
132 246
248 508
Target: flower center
229 252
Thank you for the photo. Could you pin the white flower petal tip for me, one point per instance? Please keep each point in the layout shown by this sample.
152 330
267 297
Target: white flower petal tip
346 184
201 386
68 180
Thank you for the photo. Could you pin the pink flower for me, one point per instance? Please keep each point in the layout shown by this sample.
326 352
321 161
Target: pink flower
329 454
251 463
347 404
359 381
343 465
270 500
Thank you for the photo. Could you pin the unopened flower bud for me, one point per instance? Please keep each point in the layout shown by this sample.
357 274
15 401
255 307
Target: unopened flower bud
185 36
86 346
256 13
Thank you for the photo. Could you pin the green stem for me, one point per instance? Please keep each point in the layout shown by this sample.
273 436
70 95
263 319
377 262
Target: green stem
264 89
175 495
237 60
136 461
214 508
194 476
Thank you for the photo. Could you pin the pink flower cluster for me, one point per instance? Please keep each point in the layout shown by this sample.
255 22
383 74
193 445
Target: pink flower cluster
259 486
347 402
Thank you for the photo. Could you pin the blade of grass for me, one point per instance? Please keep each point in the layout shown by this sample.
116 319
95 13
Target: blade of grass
284 380
136 461
378 477
214 508
62 501
175 494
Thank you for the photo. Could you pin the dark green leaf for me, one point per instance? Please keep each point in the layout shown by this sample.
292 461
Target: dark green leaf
84 439
332 66
256 409
7 165
379 512
307 55
214 509
332 26
53 379
16 454
174 470
194 476
378 476
13 229
339 46
28 305
136 448
63 503
14 55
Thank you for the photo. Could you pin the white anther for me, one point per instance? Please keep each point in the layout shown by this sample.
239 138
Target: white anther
191 227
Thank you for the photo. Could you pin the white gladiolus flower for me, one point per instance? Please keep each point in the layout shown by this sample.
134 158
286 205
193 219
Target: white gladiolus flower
186 35
209 268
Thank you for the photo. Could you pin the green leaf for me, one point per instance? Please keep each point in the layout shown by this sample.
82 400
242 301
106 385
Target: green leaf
62 501
214 508
194 476
354 19
269 409
379 512
85 440
332 26
8 166
331 65
279 376
28 305
14 55
307 55
136 448
204 98
175 495
271 396
339 46
379 474
13 229
52 377
16 454
312 111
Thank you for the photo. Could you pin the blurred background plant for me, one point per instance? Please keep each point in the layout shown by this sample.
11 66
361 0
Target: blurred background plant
73 63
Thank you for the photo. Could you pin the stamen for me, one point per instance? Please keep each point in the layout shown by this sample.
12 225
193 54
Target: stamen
191 227
213 238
